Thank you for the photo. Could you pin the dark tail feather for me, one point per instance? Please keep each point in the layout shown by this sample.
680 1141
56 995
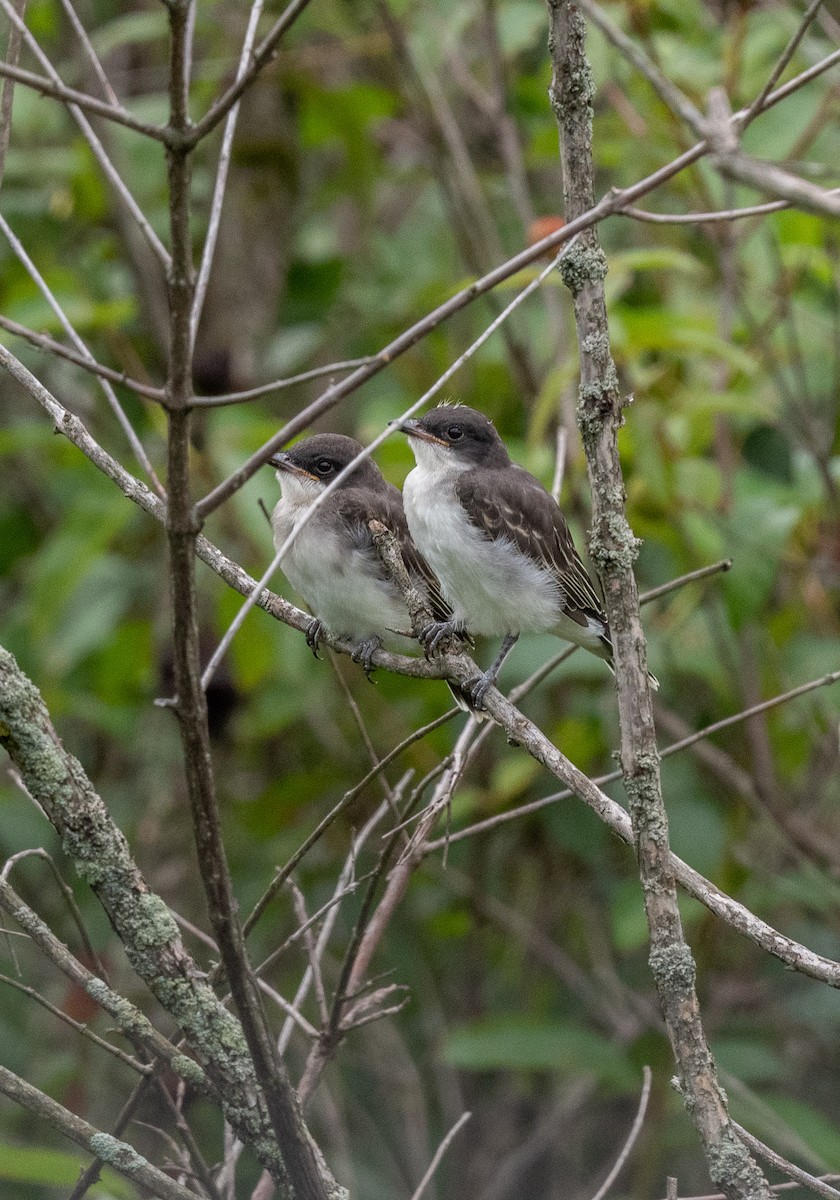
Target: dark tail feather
652 680
464 703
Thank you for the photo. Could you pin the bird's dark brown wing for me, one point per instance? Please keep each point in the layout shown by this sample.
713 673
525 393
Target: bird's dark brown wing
511 504
357 508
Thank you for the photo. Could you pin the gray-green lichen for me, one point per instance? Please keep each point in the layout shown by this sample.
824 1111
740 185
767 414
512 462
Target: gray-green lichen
581 265
730 1164
116 1153
673 968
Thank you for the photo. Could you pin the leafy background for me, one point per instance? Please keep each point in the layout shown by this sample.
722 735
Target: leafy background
348 218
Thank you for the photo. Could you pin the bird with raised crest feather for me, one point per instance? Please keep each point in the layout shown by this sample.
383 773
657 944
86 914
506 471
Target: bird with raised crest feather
333 562
497 541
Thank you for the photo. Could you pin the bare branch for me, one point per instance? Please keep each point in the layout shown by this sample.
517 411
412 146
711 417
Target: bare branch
613 549
631 1139
221 179
803 1178
261 56
7 95
438 1155
265 389
44 342
82 101
787 54
110 394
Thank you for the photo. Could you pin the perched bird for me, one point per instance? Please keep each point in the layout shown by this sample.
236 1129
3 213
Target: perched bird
333 562
496 540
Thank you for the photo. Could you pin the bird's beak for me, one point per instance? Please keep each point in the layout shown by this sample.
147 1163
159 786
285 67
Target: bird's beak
283 462
413 429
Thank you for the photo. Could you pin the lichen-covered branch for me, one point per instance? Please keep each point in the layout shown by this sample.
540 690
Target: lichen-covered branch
142 921
119 1155
613 549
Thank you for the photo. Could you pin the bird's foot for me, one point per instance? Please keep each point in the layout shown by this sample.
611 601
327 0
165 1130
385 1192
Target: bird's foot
314 632
364 652
477 688
434 633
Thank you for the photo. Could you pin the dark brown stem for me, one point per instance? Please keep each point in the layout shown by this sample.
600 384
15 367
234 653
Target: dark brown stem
613 549
299 1174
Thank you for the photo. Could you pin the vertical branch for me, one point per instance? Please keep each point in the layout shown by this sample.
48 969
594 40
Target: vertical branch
614 549
7 93
302 1177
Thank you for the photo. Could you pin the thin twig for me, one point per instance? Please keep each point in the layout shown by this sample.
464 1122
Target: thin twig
785 57
110 395
81 100
632 1136
90 53
260 57
91 1173
802 1178
221 178
278 385
44 342
7 95
438 1155
345 801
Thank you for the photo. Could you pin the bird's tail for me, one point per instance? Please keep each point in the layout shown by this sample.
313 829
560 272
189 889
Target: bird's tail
464 702
652 680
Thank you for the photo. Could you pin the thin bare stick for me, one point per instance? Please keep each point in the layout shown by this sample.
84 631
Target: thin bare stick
313 959
704 218
785 57
366 452
278 385
803 1178
93 141
44 342
81 101
221 178
261 56
345 801
344 879
559 462
438 1155
79 1026
91 55
7 95
632 1136
110 394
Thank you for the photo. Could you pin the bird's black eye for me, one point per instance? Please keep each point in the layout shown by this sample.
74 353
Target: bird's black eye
454 432
323 466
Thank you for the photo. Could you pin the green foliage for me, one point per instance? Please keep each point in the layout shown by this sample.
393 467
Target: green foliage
345 222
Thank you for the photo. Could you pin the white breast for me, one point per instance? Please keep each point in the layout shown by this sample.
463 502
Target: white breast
339 583
492 587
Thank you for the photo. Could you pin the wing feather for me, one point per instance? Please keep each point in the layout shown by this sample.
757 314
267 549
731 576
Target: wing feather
511 504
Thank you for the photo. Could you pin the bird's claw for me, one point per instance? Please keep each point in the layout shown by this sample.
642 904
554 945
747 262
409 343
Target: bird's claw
433 634
478 687
314 630
364 652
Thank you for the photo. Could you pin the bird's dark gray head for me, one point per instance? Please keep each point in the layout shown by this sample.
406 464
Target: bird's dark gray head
460 431
319 459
